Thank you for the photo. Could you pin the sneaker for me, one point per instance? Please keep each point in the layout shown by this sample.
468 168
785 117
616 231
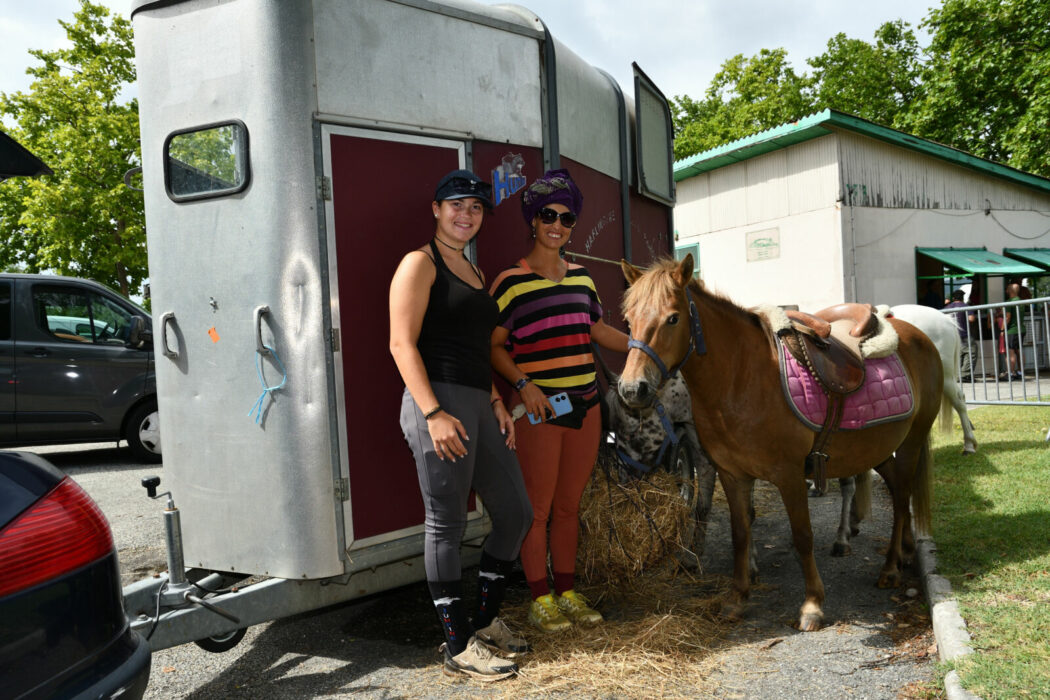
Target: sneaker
498 637
576 609
478 662
1017 376
544 613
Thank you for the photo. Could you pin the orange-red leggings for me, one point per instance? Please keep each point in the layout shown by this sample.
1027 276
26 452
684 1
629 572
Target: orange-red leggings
556 463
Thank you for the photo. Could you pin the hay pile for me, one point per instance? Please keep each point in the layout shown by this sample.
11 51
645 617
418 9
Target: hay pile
661 635
660 638
633 524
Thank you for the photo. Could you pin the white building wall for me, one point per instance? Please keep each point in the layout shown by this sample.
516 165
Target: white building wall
886 240
900 200
903 200
879 174
788 196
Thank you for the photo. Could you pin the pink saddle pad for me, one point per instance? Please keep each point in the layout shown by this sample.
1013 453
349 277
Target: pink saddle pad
885 396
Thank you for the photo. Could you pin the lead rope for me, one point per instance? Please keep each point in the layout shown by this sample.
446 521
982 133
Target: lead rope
257 409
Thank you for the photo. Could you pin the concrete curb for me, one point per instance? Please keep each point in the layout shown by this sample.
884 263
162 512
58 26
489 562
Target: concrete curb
949 628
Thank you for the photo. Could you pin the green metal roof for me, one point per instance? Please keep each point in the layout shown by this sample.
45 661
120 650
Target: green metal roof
820 124
1034 256
979 261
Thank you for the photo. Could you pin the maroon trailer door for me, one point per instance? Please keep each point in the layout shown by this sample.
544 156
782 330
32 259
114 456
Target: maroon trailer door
382 186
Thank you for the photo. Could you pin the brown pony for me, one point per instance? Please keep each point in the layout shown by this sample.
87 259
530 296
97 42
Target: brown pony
730 363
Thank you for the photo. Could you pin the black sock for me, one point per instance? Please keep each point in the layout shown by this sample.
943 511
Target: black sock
492 585
448 603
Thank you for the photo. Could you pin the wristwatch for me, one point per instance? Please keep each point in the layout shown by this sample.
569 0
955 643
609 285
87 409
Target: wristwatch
520 384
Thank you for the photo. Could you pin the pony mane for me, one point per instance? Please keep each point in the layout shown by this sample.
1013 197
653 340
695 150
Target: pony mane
657 282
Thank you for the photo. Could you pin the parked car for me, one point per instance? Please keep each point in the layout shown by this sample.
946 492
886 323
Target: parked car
63 630
76 365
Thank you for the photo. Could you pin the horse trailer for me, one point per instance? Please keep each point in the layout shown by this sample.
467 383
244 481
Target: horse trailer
290 151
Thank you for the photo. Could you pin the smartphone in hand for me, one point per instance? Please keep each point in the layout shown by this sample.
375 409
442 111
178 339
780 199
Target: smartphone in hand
561 404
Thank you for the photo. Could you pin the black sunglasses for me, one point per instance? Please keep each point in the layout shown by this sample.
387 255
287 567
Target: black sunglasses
549 216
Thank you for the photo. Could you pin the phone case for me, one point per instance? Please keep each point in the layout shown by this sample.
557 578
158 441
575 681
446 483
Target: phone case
561 404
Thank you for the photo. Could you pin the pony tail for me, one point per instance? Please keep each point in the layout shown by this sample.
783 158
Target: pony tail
945 419
921 491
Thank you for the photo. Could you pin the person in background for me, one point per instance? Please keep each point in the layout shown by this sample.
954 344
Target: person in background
965 322
549 313
459 431
1014 329
933 296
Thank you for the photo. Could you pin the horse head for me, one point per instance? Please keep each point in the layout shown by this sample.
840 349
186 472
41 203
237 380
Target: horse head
665 327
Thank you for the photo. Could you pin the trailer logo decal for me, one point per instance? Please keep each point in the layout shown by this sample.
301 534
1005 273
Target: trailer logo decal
508 177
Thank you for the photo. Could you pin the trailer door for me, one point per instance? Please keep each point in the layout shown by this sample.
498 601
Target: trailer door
381 188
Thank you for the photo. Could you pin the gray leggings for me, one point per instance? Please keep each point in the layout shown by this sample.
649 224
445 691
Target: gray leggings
489 467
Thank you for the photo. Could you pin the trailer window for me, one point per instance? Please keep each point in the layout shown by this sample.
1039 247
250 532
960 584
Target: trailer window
653 135
207 161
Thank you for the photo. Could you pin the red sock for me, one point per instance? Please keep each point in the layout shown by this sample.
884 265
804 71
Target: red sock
563 582
538 588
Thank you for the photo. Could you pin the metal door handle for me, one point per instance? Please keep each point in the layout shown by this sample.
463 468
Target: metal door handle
38 352
167 319
258 314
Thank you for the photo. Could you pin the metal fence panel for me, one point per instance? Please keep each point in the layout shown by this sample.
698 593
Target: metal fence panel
997 373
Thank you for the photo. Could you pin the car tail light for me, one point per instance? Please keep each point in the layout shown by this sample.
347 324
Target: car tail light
59 533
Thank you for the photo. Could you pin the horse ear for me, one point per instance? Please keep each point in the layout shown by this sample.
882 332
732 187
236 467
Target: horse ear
685 270
630 272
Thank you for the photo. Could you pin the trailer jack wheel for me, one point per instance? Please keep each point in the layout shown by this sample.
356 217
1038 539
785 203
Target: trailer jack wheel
222 642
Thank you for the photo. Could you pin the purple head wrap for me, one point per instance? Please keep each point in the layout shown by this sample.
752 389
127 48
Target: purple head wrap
555 187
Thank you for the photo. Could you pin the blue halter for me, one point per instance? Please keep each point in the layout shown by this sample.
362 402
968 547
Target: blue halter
696 344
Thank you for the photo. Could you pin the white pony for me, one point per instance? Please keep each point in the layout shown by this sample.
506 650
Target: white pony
943 331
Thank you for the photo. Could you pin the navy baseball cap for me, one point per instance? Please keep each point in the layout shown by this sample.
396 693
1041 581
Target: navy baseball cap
460 184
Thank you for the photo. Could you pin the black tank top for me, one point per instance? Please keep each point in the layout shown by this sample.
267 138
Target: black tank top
457 330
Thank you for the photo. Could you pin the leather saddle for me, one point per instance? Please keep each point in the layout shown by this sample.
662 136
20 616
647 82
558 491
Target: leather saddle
828 341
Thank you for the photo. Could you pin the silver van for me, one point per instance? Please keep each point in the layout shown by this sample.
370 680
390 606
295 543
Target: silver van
76 365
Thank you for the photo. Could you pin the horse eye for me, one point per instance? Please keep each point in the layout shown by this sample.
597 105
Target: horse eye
672 319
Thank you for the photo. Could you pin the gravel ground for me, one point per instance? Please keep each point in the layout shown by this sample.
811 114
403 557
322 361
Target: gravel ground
876 643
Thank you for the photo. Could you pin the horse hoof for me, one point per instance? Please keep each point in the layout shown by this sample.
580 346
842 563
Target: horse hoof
841 550
889 580
810 622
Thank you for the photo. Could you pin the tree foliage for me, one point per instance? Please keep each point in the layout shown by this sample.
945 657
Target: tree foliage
873 81
746 96
986 89
82 220
982 85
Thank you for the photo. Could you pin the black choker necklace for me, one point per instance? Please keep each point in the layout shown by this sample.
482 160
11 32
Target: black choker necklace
448 245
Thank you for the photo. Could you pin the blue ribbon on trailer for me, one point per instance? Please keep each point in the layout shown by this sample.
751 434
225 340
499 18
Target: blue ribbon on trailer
257 408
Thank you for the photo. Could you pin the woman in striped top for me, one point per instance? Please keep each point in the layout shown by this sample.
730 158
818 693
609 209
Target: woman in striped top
549 312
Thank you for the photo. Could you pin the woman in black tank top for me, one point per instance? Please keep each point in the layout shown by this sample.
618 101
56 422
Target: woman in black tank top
460 433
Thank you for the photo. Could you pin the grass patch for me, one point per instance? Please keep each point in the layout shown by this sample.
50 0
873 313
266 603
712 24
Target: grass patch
991 523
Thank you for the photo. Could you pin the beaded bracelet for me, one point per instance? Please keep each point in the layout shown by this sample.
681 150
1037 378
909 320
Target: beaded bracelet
428 416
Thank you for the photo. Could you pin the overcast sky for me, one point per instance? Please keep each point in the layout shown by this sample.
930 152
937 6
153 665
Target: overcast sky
680 44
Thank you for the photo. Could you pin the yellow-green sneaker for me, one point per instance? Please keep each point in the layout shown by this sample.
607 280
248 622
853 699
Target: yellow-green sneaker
574 606
544 614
